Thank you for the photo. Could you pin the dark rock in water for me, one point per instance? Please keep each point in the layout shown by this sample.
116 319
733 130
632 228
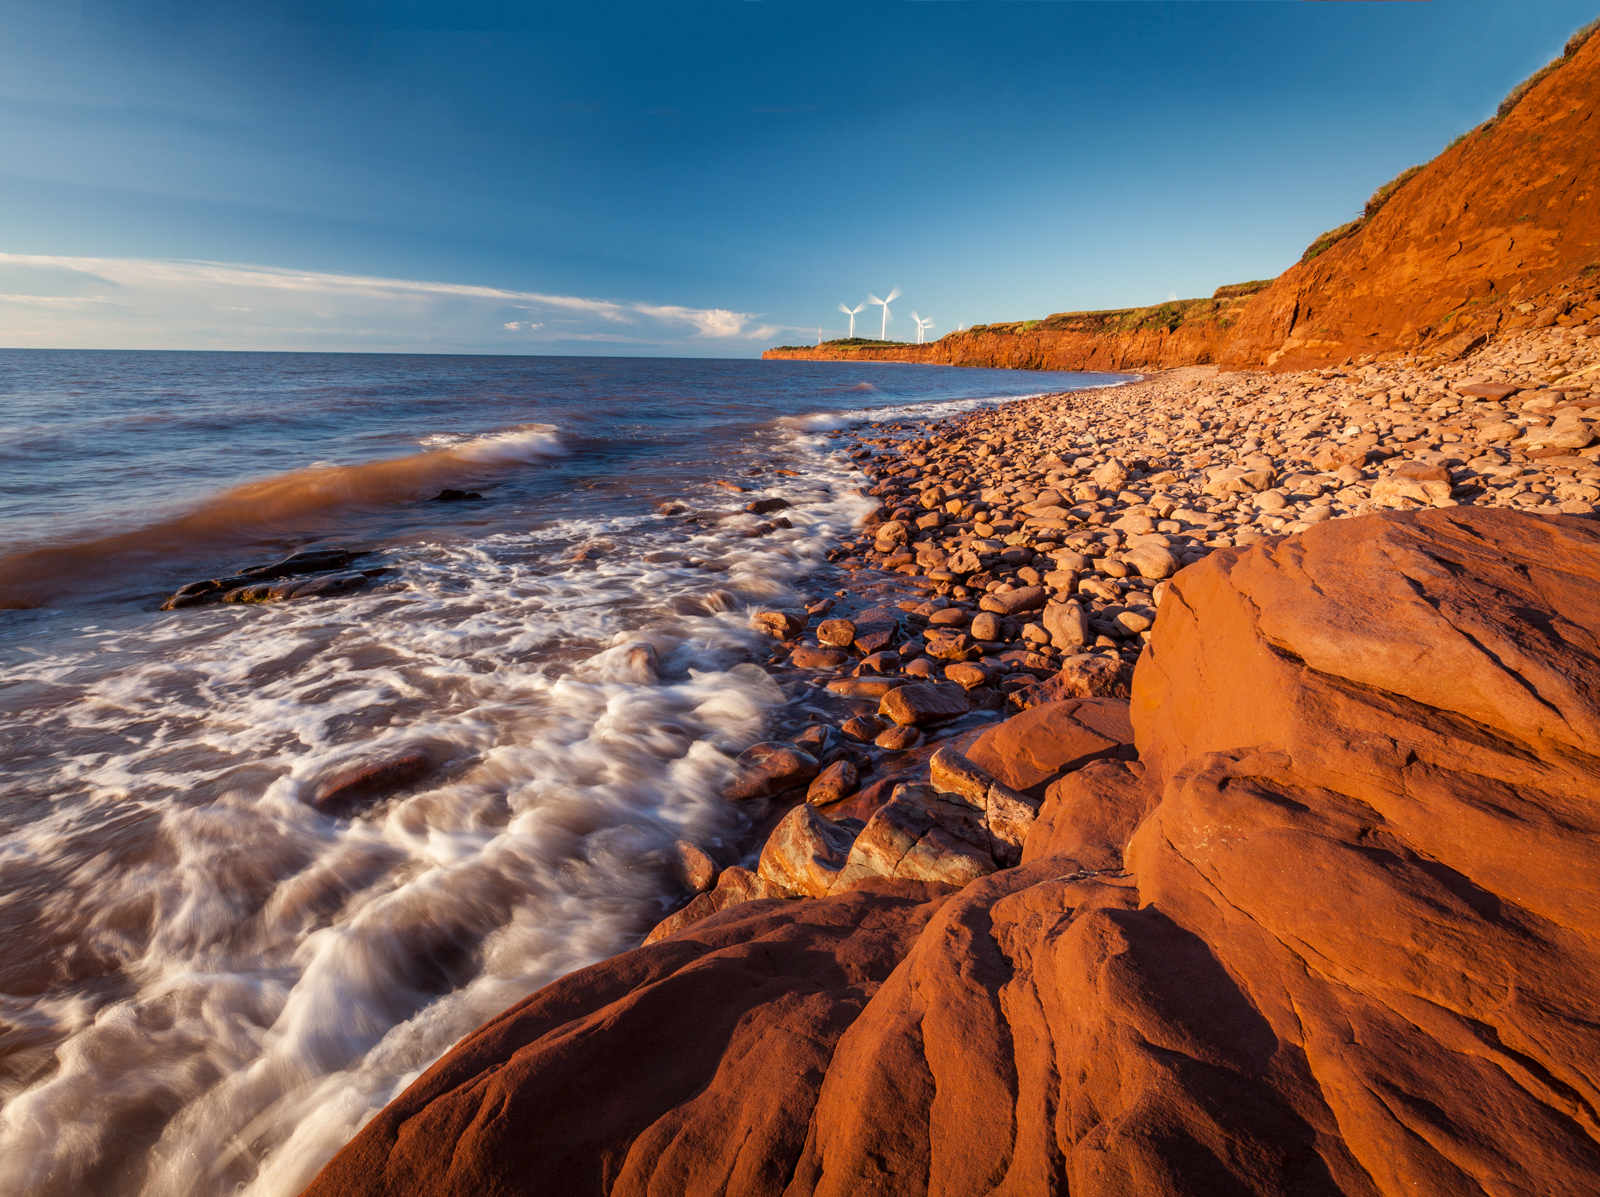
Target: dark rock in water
328 584
456 496
311 561
252 585
763 506
347 792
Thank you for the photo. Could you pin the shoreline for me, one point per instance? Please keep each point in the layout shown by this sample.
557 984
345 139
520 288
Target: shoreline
1328 825
1062 517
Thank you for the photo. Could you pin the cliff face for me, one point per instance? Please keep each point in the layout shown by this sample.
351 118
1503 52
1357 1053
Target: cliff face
1141 338
1481 238
1510 211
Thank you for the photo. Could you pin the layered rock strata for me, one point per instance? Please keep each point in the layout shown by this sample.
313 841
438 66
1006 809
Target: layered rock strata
1333 932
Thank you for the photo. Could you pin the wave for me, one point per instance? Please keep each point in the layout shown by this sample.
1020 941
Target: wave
268 512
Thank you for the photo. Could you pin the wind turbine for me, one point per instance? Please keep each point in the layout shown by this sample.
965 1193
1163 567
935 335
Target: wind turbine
922 326
893 295
851 312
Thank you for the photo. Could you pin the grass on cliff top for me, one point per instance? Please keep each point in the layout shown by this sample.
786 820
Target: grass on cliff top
850 343
1171 316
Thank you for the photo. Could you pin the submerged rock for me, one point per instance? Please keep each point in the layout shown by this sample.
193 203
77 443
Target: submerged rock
253 585
347 792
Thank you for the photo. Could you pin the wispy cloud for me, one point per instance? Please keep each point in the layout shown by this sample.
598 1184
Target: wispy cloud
81 302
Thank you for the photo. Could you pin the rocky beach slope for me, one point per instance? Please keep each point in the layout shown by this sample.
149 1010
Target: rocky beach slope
1301 904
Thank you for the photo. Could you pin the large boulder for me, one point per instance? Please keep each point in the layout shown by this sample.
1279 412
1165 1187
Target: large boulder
1336 932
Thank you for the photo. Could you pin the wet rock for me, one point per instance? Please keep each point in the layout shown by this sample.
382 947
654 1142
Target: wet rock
922 703
769 768
967 675
879 662
782 625
815 739
838 780
840 633
874 633
644 665
863 729
694 868
251 585
945 644
806 657
805 853
456 496
349 791
898 739
864 687
764 506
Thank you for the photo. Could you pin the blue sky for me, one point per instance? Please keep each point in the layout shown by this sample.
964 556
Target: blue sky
695 178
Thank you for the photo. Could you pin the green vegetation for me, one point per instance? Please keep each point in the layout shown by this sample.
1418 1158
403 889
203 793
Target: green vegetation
1374 204
1574 44
1241 290
850 343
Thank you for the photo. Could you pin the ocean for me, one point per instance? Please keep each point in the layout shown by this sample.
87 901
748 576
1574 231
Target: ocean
207 984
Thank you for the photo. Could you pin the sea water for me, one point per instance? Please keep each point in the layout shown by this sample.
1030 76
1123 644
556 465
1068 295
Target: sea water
207 985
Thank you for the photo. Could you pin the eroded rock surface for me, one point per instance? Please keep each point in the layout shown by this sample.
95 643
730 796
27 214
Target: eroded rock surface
1335 932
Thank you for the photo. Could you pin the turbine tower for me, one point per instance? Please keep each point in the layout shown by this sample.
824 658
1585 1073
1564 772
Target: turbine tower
851 312
922 326
893 295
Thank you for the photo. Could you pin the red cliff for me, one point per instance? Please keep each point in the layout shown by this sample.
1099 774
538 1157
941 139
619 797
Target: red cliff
1493 233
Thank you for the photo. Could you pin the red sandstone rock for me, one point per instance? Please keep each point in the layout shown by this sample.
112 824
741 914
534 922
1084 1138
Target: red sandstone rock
840 633
785 625
919 836
1029 751
1335 934
806 657
836 781
770 768
734 887
1012 602
923 703
1088 675
805 852
695 869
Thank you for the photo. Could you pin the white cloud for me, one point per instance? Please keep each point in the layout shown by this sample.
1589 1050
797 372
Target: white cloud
142 303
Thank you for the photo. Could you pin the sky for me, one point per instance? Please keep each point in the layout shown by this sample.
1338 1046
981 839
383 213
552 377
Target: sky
697 178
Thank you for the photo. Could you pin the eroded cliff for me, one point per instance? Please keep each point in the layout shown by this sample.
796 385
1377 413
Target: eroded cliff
1492 234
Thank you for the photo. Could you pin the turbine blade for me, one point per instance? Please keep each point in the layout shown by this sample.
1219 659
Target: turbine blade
874 299
895 294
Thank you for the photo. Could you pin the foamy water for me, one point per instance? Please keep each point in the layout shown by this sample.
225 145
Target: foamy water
208 984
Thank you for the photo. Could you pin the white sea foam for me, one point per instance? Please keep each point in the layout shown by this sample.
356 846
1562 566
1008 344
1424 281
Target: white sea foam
279 975
529 443
823 421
